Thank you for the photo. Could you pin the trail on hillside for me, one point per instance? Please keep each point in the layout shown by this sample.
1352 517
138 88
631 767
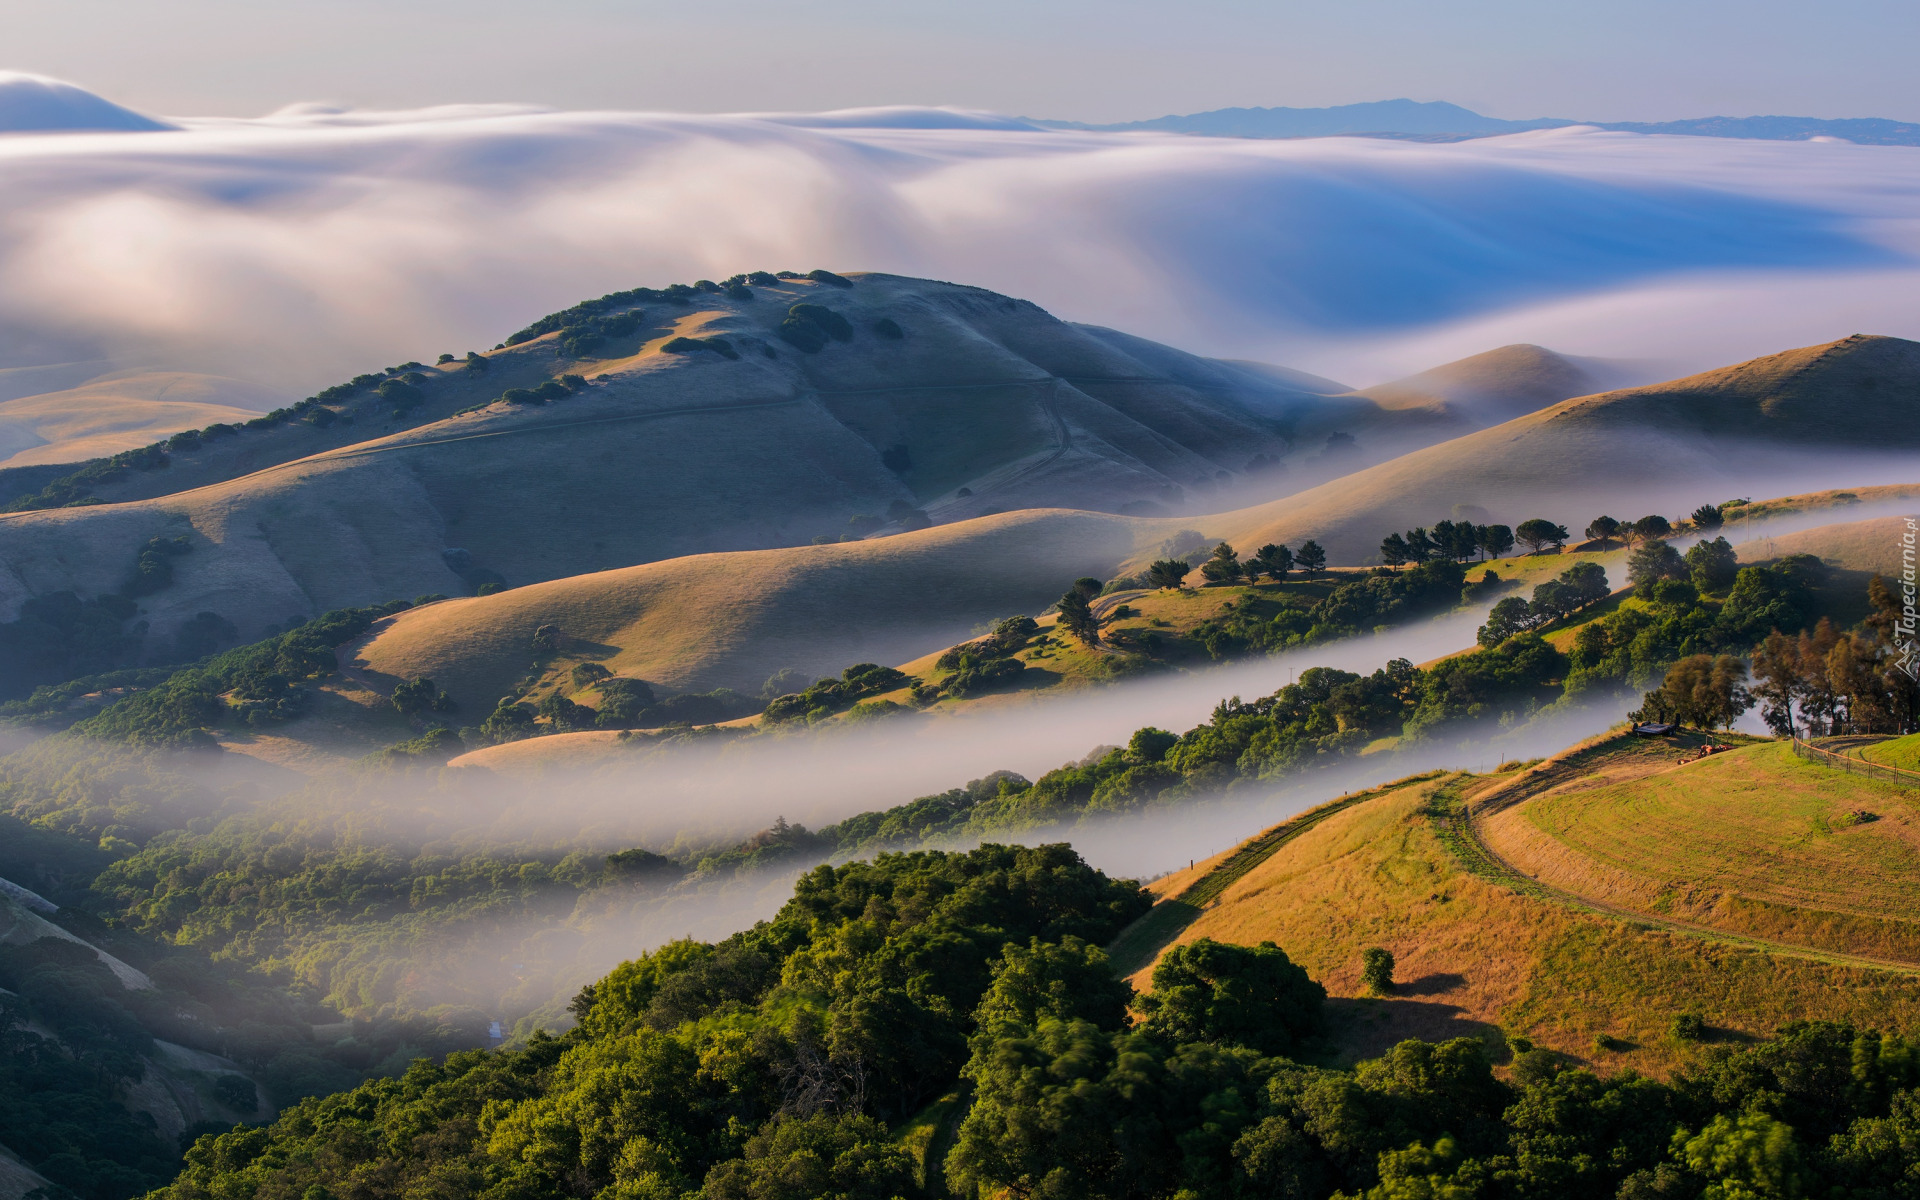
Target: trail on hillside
1459 823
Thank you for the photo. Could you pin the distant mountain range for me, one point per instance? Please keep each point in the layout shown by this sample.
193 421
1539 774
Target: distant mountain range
1440 121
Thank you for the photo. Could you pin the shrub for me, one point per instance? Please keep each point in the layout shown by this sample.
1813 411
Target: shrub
888 328
1688 1027
808 327
1376 971
828 277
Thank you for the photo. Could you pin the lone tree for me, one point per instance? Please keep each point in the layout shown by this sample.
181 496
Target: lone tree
1224 566
1168 572
546 639
1376 970
1088 586
1539 532
1707 517
1496 540
1077 618
1393 551
1312 559
1603 529
1275 562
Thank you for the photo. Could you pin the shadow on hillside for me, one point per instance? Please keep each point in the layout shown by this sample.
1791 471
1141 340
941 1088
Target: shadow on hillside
1430 985
1365 1027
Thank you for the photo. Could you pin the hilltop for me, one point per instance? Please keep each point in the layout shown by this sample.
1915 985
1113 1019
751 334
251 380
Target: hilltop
59 414
679 423
1737 915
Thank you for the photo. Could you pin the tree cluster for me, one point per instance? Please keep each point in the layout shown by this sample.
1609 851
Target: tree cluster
1579 587
1456 541
1823 681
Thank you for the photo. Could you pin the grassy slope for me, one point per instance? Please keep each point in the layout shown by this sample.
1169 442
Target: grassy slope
1755 843
1498 385
1475 955
119 411
733 619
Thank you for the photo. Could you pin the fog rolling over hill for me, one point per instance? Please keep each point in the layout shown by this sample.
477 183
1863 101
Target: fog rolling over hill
701 428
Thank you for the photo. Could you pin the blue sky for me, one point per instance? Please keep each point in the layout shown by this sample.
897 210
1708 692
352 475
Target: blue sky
1091 60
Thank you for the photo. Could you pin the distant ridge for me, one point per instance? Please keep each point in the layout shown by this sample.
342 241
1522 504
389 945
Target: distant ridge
1440 121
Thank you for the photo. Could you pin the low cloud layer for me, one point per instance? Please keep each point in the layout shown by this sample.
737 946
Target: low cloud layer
315 243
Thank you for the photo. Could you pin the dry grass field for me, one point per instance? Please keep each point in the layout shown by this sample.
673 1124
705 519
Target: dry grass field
1479 955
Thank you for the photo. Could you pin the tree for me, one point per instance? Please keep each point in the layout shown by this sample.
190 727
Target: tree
1538 532
796 1158
1088 586
1312 559
1653 562
1077 618
1393 551
1252 996
1702 690
1589 583
419 696
1603 529
1168 572
1275 562
1713 565
1510 616
1749 1157
1420 546
546 639
1707 517
1496 540
1648 529
1376 970
1776 674
1224 566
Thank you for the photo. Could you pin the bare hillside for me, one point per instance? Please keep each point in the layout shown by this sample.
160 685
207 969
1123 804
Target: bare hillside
698 424
102 414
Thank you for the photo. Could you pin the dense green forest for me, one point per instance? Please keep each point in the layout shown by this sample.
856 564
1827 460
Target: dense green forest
788 1061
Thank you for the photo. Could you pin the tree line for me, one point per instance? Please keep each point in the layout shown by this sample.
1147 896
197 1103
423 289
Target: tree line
771 1065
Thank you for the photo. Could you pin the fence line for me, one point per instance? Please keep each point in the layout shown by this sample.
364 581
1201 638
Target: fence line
1858 766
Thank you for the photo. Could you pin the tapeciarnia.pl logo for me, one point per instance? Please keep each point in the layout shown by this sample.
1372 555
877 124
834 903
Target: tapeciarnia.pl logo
1909 660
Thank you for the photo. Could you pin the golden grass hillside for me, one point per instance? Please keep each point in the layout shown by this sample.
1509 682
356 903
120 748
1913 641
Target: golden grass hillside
1478 953
1774 424
734 619
119 410
983 403
1752 842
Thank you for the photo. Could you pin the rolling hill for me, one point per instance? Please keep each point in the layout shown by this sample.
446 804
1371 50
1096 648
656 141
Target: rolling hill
106 413
1817 417
1593 971
943 400
1499 385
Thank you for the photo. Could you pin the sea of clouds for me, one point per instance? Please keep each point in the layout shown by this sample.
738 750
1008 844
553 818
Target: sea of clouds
311 244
